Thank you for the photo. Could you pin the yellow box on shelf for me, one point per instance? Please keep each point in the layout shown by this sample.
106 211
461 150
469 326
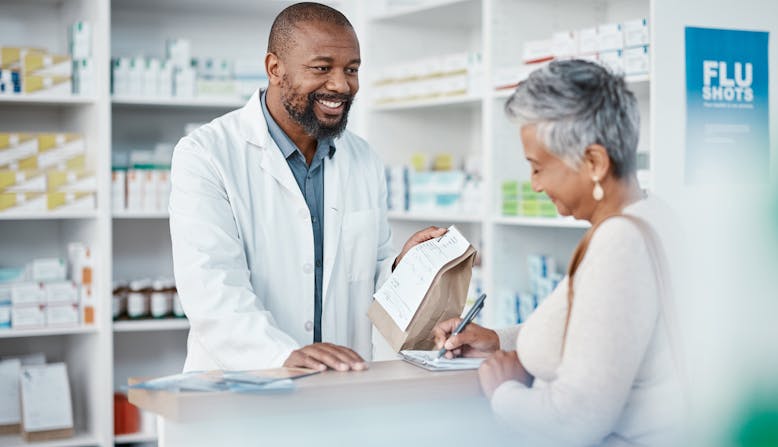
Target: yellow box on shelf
10 57
46 85
52 160
49 141
50 201
47 181
16 146
46 64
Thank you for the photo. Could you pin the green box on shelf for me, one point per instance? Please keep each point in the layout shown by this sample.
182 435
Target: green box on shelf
530 208
510 208
547 208
510 187
526 188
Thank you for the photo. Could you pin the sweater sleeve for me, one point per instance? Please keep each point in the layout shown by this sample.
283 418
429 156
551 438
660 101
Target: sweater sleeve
614 312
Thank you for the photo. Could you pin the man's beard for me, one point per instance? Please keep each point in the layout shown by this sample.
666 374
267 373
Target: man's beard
306 117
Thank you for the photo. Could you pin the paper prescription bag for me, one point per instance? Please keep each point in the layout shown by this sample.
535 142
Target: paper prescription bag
445 298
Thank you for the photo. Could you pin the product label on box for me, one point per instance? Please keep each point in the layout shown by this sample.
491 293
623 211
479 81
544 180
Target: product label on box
27 317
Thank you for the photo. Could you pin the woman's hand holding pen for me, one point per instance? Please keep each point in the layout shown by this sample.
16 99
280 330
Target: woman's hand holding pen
473 341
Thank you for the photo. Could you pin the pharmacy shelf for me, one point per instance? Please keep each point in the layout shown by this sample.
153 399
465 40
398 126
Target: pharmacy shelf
636 82
448 13
546 222
49 215
140 215
433 217
43 332
168 324
47 100
135 438
79 440
446 101
185 103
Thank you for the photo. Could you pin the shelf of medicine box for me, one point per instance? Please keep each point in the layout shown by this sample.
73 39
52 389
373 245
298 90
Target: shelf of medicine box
135 438
151 325
46 331
48 215
436 14
548 222
440 101
184 103
637 83
441 217
140 215
79 440
47 100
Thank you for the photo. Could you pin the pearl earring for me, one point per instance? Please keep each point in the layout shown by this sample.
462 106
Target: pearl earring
598 193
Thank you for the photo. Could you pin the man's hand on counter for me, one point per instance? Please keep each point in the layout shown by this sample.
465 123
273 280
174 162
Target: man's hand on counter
321 356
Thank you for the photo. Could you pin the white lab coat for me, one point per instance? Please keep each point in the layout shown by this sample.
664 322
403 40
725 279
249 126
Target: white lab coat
243 249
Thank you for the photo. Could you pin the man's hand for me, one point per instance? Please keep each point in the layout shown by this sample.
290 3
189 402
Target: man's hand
474 341
321 356
417 238
501 367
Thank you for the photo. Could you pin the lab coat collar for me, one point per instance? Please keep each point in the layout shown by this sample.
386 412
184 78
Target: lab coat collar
252 122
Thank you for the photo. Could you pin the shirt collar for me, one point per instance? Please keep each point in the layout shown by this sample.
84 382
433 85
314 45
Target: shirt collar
284 143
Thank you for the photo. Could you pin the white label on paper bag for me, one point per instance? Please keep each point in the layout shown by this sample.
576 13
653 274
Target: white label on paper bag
403 292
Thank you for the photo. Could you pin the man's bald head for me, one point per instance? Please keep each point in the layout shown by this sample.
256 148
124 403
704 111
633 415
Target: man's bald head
283 30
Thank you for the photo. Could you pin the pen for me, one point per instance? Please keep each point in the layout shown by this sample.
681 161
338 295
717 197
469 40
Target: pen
470 316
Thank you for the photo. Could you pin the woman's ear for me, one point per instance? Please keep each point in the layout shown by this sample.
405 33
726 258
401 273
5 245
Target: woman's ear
273 68
597 161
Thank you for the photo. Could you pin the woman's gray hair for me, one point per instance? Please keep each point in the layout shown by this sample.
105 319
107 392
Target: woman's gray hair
576 103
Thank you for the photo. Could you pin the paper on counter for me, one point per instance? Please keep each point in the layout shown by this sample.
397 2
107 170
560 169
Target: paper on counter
429 360
403 292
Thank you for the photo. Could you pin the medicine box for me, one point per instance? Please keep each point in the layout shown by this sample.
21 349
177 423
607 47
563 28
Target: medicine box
27 317
46 269
46 64
564 44
610 37
613 60
46 85
26 293
62 315
60 292
636 60
80 40
636 33
16 146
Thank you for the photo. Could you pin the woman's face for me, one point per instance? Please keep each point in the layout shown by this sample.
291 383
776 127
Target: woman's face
570 189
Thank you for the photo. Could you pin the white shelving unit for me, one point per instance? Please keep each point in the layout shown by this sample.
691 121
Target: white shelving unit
48 100
48 331
476 124
166 324
135 438
79 440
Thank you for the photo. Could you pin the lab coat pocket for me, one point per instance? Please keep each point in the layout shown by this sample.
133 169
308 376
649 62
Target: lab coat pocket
360 244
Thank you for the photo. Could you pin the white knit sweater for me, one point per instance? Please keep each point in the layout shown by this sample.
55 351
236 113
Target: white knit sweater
616 382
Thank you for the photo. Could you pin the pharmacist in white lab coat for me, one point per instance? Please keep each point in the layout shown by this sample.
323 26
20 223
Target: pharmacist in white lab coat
278 215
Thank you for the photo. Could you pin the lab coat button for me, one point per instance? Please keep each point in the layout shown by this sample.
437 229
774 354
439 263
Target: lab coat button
308 326
308 268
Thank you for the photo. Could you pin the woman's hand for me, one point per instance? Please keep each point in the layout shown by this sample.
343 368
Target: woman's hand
501 367
474 341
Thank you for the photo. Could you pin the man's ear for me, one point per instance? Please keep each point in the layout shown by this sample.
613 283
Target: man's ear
597 161
274 68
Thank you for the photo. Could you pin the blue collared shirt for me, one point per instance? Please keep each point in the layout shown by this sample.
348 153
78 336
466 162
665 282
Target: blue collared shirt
310 179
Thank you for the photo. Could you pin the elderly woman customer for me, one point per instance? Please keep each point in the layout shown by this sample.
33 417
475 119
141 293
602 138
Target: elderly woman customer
593 365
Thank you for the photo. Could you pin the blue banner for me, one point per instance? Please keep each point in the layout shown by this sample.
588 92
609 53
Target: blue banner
727 106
